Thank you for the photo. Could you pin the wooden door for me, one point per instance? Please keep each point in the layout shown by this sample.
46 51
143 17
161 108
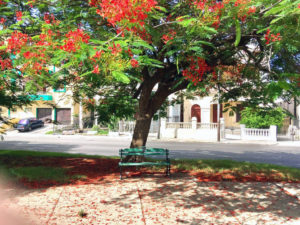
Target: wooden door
63 116
44 113
196 112
215 112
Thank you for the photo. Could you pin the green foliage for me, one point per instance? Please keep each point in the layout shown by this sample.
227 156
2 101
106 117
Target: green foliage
112 109
262 117
40 173
100 131
219 38
237 169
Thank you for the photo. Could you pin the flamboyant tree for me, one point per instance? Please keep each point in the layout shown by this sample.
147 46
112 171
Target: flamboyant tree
150 49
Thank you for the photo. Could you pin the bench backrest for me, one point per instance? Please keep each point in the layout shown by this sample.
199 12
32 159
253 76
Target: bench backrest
143 151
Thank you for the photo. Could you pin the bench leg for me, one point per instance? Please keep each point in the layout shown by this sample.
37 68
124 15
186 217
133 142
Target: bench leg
168 170
120 167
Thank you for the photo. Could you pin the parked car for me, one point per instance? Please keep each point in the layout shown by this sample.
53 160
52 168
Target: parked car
29 124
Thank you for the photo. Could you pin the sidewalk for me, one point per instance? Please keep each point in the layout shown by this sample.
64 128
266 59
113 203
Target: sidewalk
157 200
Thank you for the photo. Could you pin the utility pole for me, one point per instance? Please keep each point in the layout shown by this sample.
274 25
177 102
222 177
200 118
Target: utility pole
158 132
218 110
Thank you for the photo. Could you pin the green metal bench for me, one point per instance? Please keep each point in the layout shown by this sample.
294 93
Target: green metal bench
145 152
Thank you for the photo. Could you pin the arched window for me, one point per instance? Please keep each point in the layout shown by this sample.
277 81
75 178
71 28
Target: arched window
196 112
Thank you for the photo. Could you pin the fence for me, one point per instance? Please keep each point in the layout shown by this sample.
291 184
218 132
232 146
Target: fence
178 125
207 125
127 127
191 130
258 134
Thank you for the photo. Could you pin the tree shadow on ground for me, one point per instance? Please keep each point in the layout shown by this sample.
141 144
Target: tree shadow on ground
191 202
179 199
283 158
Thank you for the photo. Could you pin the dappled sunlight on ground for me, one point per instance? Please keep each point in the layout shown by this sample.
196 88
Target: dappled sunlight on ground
94 194
155 199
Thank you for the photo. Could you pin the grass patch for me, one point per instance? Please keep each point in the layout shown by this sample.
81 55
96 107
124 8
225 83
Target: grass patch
102 132
49 132
238 169
25 153
64 167
40 173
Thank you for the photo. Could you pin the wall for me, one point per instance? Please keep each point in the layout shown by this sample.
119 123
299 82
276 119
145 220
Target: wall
190 130
230 120
259 134
204 103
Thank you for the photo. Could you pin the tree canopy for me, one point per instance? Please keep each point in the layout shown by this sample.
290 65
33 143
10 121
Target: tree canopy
148 49
262 117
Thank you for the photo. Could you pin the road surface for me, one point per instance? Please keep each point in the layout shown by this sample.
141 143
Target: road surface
109 146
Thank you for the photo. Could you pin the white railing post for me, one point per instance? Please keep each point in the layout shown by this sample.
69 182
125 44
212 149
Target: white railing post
194 123
120 126
80 115
242 126
163 125
273 133
222 130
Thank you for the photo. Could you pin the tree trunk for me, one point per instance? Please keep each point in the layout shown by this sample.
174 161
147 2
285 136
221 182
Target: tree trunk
149 103
141 131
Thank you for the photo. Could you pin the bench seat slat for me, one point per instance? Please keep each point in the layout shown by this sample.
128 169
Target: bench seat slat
144 163
145 152
142 154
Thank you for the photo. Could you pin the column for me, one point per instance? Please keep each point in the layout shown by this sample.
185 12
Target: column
80 116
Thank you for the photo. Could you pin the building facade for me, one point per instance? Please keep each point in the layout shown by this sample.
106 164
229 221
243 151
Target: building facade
51 105
205 109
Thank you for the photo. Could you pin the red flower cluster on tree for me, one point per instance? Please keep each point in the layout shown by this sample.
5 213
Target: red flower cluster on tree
252 9
129 15
134 63
2 20
134 11
46 39
29 55
19 15
244 11
141 32
5 63
129 52
241 2
50 19
169 36
271 37
115 49
16 41
98 54
196 70
214 10
210 5
75 39
36 62
96 69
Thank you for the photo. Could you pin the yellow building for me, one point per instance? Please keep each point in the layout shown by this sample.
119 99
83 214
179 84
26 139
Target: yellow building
51 105
205 110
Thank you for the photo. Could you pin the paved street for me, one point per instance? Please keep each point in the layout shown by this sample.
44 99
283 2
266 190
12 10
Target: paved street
281 153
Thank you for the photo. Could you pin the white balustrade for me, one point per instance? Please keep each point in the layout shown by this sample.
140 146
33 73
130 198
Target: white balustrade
190 130
258 134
